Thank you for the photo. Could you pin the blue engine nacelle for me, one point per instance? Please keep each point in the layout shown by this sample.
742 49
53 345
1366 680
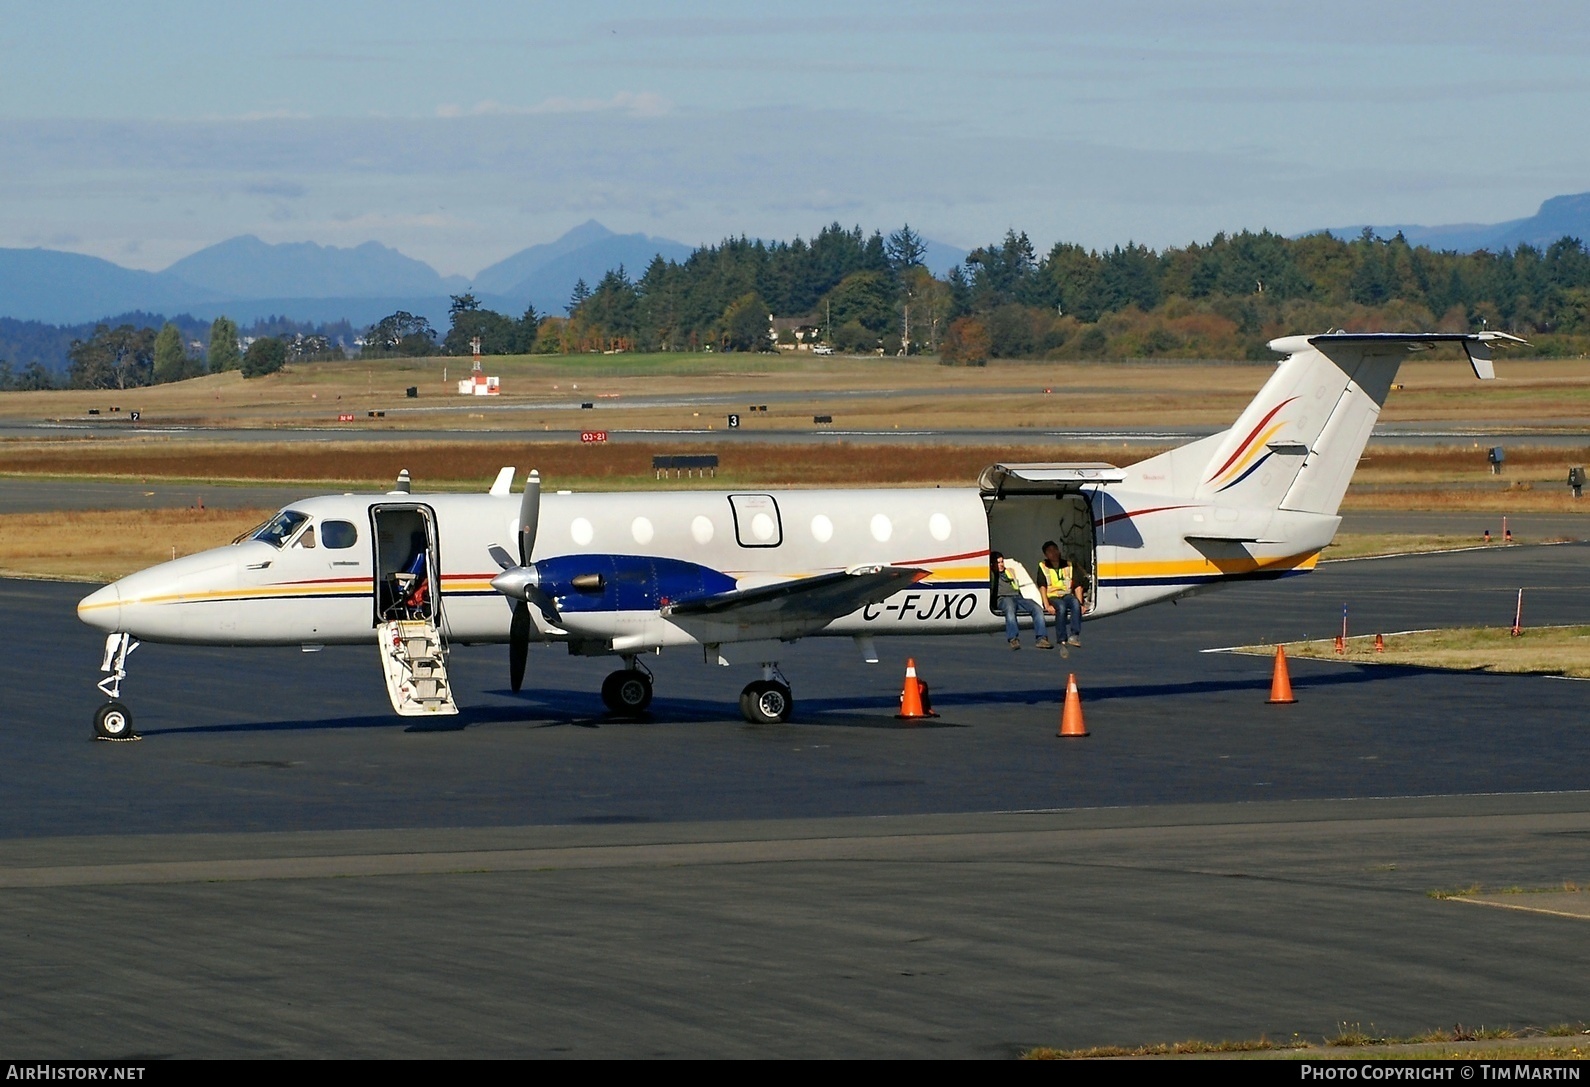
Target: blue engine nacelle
592 583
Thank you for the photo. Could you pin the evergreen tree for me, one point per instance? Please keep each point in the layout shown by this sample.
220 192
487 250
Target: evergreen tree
525 332
223 354
745 325
577 299
171 358
905 249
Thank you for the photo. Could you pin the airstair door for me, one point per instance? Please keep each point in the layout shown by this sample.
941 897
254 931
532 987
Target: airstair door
414 661
408 607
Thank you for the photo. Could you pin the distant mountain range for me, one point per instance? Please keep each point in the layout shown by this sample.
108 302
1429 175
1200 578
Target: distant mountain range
1561 216
249 280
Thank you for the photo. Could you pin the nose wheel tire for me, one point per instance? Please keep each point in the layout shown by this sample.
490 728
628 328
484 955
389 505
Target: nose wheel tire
766 702
627 692
113 721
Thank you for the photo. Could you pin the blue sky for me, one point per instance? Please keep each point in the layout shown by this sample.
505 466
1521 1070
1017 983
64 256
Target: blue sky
462 133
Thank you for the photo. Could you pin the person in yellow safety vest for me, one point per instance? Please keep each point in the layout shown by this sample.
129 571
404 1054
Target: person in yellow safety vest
1014 591
1062 595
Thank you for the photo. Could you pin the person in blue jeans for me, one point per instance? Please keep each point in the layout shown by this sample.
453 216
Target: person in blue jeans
1062 595
1014 591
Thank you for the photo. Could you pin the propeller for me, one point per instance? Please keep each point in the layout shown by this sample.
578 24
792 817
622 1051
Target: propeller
521 581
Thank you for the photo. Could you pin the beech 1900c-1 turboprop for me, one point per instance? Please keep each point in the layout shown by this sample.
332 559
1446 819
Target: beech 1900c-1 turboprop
741 574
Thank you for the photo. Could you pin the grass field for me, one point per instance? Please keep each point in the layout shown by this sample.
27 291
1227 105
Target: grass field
102 545
1539 651
472 465
1352 1042
1388 478
859 393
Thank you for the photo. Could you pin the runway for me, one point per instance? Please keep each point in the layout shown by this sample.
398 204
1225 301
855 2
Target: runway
1568 435
545 881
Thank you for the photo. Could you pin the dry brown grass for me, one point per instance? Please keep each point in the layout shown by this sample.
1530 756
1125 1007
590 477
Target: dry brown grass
104 545
1351 1042
892 392
1367 545
1460 499
609 465
1561 651
1394 479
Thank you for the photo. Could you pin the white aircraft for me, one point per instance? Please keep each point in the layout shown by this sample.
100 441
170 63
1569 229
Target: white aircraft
742 574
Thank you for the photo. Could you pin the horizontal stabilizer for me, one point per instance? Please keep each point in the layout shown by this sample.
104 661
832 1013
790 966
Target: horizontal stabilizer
1477 345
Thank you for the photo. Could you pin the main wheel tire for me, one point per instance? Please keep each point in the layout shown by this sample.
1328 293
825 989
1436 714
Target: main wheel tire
627 692
766 702
113 721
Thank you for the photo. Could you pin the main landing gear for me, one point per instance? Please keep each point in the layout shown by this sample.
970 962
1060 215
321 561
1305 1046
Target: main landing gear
767 701
113 720
627 692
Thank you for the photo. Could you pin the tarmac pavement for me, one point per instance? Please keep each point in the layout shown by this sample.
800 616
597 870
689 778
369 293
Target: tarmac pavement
283 868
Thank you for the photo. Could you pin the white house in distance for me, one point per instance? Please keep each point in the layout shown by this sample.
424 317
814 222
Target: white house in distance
478 383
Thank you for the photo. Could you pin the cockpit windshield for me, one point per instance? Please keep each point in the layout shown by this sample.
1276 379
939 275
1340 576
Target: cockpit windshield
277 530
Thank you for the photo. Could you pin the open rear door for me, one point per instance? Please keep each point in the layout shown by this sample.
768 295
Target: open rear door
1030 504
408 606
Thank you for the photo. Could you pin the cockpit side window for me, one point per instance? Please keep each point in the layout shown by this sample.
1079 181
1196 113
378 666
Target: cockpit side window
338 534
306 538
279 528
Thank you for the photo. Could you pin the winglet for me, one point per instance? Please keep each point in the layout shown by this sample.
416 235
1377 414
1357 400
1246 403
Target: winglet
1479 352
503 484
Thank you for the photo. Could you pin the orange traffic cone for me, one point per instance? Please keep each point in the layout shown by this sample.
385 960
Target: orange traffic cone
1281 681
1341 644
911 707
1071 717
1380 643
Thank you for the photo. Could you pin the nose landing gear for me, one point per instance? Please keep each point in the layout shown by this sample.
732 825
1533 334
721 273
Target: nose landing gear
767 701
113 720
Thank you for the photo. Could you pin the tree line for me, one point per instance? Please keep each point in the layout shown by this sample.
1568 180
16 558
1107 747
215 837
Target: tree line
865 293
140 349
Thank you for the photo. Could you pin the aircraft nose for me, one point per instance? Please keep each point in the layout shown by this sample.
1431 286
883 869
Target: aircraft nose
101 609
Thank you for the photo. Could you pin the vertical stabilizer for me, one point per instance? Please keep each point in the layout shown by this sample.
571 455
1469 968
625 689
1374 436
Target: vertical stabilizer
1296 444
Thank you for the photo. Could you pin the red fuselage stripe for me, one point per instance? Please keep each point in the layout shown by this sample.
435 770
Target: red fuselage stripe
1254 434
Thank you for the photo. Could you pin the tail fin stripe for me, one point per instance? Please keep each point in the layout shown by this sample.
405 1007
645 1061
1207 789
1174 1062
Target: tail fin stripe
1256 466
1249 439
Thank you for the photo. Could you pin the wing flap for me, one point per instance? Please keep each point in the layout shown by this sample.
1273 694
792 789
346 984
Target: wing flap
815 601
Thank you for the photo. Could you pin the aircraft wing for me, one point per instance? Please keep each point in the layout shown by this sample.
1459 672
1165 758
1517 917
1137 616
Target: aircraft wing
802 604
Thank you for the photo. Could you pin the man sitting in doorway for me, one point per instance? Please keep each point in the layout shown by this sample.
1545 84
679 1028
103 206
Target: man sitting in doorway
1014 591
1062 595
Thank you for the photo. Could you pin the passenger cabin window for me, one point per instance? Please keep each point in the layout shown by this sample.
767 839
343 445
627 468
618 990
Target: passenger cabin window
306 538
338 534
280 527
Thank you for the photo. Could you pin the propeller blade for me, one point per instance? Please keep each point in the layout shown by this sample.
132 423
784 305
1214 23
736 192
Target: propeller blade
529 516
500 556
518 644
538 596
